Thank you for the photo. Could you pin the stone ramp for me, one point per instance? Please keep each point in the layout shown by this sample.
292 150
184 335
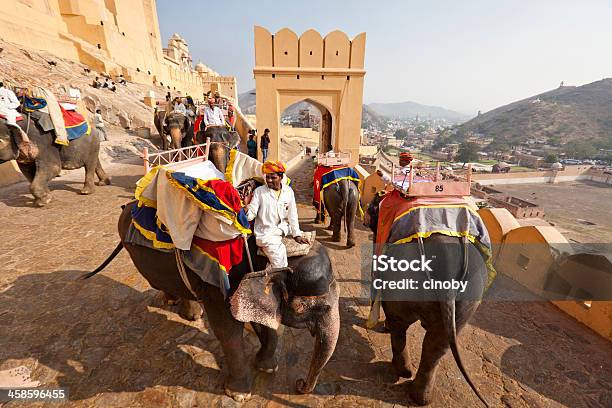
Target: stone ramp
113 343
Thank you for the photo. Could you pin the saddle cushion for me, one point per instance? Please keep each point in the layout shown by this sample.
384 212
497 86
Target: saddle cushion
294 248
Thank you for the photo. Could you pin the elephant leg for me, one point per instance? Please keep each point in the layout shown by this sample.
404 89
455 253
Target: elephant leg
189 309
29 171
40 183
336 224
400 359
435 345
351 212
266 359
102 176
90 172
229 333
326 337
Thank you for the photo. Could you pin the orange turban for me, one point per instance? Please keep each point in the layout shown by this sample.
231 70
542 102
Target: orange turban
273 167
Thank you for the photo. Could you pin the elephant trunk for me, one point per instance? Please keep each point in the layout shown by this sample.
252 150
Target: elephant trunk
448 320
176 135
326 336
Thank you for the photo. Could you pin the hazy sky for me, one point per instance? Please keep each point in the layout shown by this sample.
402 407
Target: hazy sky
464 55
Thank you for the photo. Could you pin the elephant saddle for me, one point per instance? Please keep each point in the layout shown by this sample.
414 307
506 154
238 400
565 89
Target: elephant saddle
325 176
294 248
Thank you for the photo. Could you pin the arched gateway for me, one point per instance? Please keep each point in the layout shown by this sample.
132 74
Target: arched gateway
326 72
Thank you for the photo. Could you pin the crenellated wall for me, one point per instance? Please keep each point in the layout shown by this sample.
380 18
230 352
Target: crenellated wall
111 36
325 71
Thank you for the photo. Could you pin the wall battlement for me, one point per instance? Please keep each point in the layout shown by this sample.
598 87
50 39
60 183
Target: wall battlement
117 37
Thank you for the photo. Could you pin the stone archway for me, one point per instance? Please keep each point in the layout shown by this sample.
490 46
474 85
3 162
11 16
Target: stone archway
327 72
304 134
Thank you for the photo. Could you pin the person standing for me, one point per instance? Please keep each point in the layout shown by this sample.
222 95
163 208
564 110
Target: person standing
264 143
99 124
252 145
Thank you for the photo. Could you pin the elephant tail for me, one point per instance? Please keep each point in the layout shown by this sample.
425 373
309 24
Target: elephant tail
448 320
105 263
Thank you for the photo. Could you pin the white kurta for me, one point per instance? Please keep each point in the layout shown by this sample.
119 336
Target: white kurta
213 117
8 104
274 217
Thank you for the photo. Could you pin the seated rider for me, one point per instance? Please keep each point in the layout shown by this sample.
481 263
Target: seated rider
213 116
275 213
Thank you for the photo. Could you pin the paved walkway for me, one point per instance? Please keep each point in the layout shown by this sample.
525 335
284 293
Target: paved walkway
114 344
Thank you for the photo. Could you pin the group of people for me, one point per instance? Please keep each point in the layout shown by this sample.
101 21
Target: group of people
264 142
108 83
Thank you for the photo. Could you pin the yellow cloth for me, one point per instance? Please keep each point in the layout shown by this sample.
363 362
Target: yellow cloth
273 167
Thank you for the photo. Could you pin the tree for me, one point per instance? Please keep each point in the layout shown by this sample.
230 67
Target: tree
468 151
579 149
420 129
551 158
401 134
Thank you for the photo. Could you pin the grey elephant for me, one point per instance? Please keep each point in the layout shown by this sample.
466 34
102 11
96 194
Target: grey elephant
341 201
51 158
442 313
307 298
176 125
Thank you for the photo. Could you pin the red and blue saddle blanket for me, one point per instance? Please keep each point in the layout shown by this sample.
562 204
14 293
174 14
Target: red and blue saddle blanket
211 260
325 176
403 220
75 123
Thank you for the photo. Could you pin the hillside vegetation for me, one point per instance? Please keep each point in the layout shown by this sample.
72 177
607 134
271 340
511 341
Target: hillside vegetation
568 114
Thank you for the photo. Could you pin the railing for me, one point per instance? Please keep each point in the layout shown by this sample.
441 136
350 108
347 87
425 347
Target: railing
427 182
176 157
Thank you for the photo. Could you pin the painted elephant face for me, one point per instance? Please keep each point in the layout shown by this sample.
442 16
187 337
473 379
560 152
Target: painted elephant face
296 297
8 149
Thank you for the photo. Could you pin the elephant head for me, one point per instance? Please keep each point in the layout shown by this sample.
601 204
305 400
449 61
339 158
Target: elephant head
305 295
8 147
177 125
222 141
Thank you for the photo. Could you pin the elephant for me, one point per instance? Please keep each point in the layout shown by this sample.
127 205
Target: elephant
218 134
51 158
176 125
309 299
441 313
309 296
341 200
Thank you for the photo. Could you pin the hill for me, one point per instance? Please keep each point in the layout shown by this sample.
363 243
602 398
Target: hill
408 110
563 115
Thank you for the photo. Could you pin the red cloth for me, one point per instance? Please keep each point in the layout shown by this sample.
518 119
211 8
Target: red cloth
226 193
196 127
316 192
227 253
19 117
393 204
71 118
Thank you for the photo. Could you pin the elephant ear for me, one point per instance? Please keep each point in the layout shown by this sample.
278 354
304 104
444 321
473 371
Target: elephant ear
259 297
